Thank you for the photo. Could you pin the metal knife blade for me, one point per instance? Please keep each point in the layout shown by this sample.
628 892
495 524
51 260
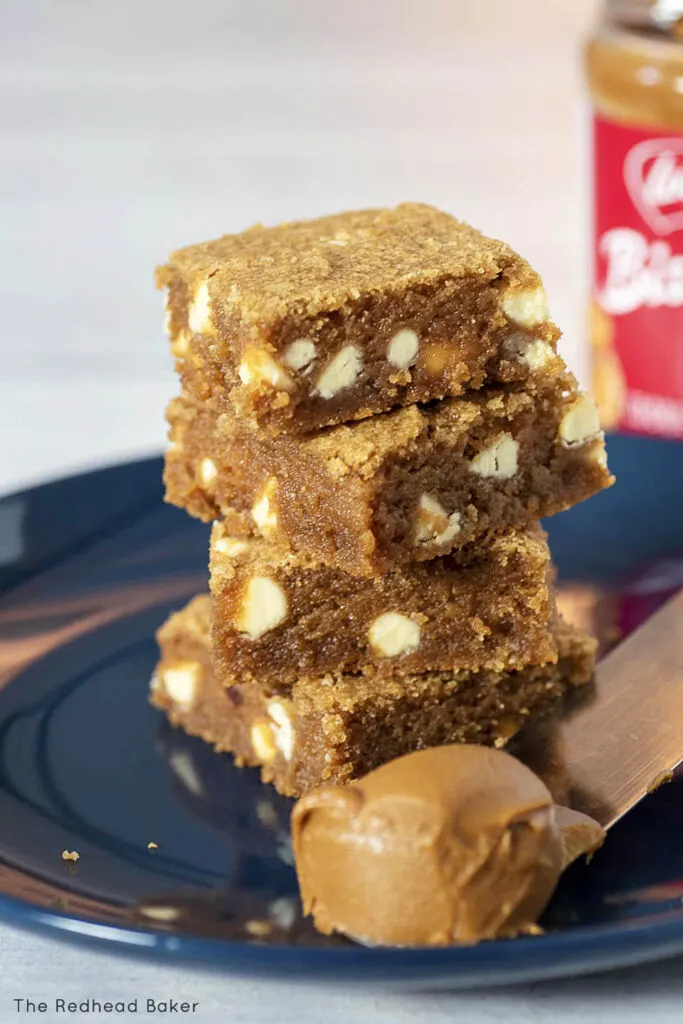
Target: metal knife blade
626 736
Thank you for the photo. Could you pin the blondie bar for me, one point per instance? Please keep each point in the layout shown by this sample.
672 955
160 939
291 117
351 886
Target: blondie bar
403 486
278 617
338 728
320 322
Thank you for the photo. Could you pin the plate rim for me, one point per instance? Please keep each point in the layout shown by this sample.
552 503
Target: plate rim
581 950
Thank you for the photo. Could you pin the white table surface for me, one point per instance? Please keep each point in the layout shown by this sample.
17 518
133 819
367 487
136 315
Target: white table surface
131 127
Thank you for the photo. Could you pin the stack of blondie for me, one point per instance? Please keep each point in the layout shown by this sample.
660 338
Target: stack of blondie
374 415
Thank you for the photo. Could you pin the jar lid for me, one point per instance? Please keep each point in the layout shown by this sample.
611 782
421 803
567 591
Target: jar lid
657 14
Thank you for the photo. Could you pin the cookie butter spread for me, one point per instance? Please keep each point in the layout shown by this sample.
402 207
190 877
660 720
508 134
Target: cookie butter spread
447 845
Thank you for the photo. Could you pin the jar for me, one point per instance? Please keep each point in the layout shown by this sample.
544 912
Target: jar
634 64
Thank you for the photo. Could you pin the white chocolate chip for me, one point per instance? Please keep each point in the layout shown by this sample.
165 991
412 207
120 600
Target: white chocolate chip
283 728
403 348
208 472
537 354
600 456
167 315
392 634
533 351
199 311
179 345
434 524
499 460
258 365
262 510
262 742
580 423
230 546
180 683
300 354
340 373
264 606
526 306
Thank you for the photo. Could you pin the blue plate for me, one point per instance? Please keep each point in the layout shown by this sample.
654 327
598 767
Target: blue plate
89 568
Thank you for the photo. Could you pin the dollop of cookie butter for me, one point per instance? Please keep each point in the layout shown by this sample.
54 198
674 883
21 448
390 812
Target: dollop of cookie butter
448 845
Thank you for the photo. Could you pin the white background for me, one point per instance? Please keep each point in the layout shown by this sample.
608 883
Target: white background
131 127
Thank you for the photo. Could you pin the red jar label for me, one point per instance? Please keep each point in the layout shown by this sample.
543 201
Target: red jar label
637 309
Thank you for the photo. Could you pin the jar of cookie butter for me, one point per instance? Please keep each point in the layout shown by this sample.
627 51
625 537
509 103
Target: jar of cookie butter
634 63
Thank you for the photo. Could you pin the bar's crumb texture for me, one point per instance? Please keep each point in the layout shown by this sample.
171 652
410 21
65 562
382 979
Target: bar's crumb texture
401 487
374 414
321 322
278 617
338 728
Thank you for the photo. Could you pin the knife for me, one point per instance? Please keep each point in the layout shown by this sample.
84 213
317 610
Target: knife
624 737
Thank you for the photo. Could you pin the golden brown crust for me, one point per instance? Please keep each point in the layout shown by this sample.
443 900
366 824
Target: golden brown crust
320 266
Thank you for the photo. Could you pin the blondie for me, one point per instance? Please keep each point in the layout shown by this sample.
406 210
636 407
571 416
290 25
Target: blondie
400 487
278 617
309 324
338 728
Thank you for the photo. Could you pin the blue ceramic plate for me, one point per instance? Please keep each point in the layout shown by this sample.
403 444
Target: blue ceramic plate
89 568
